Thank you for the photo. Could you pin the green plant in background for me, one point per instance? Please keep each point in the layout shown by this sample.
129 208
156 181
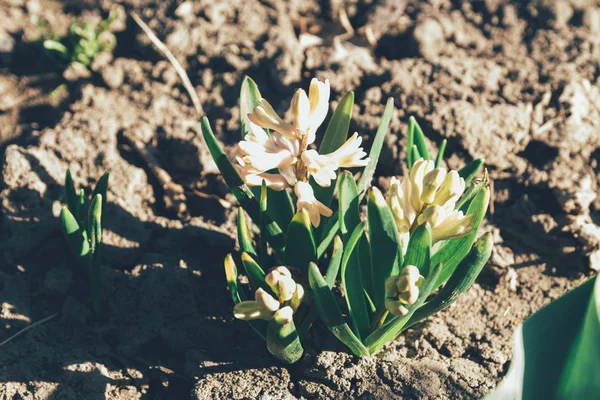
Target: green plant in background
416 239
81 44
82 227
556 351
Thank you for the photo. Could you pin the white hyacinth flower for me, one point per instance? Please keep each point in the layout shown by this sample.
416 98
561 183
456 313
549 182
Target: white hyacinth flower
403 289
308 202
428 195
287 299
283 159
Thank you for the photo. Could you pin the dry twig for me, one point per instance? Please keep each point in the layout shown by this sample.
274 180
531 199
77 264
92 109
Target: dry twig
28 327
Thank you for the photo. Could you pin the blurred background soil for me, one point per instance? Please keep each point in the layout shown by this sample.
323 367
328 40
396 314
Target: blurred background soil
515 82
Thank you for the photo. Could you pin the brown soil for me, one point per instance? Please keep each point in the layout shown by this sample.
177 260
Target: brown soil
514 82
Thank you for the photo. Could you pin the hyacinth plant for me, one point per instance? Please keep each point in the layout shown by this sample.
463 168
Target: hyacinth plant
417 238
82 227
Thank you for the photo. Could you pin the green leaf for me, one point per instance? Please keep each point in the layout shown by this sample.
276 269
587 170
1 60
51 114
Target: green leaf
337 129
418 252
71 194
335 136
414 155
95 223
263 255
330 229
419 138
283 341
280 206
231 275
300 248
556 350
81 209
410 144
330 312
249 96
239 189
440 154
364 254
469 171
102 189
386 250
244 235
391 329
459 282
330 275
369 171
465 200
334 262
73 234
256 275
579 378
95 239
352 284
453 251
348 210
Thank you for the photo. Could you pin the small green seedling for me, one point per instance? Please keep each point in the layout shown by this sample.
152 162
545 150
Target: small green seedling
417 238
82 227
81 44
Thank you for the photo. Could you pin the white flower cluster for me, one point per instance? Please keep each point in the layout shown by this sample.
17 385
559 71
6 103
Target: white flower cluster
286 151
403 289
429 195
281 307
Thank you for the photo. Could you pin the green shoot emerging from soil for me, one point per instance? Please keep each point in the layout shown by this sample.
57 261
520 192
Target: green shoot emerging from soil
416 239
82 227
80 45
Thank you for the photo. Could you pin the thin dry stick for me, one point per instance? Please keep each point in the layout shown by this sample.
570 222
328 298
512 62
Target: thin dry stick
187 84
28 327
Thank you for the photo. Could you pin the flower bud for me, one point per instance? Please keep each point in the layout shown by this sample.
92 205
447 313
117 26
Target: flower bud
395 307
390 287
284 315
297 297
394 201
281 282
451 189
431 183
248 310
419 169
408 283
265 300
301 110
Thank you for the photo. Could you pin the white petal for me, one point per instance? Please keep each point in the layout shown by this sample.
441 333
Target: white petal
274 181
307 201
301 110
319 167
318 95
350 154
265 116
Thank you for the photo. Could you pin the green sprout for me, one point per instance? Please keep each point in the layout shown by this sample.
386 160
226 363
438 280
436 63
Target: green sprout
81 44
82 228
416 239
